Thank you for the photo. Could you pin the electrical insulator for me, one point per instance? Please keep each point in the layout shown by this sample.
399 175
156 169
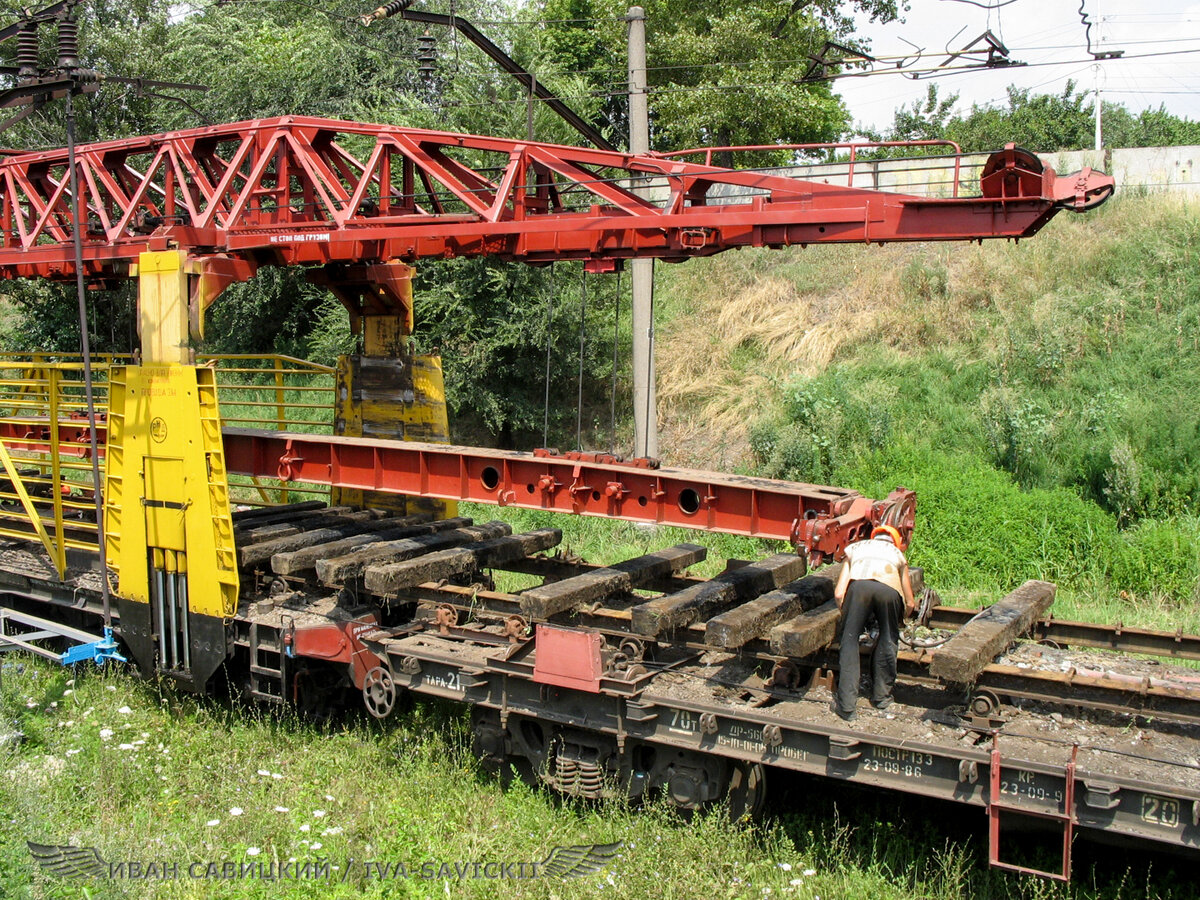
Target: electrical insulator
68 43
426 56
27 50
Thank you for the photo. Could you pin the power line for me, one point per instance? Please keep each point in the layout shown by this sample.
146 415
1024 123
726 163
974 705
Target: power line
927 74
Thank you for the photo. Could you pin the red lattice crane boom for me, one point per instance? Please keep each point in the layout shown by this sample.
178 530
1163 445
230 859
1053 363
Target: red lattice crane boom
306 191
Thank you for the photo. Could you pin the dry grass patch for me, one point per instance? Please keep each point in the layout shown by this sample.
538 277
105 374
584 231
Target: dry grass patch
739 326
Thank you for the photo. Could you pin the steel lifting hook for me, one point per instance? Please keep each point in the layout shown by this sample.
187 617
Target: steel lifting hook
287 463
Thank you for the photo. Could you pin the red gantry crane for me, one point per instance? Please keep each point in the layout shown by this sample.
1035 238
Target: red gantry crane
356 203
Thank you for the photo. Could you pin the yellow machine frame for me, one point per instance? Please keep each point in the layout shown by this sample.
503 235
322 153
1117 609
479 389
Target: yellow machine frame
168 515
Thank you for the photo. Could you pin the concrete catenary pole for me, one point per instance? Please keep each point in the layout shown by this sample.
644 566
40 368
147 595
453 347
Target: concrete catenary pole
645 410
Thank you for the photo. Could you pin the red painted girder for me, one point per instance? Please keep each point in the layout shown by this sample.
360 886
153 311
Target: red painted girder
821 520
306 191
32 435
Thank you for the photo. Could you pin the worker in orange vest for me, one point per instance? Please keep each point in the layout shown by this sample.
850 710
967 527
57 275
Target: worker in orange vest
874 580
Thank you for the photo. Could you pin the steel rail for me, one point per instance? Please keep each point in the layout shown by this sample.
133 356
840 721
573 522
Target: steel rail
1121 638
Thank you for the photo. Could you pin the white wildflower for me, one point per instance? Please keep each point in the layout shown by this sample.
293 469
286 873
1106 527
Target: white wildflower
264 773
235 810
808 873
212 823
105 733
305 827
319 813
316 845
281 809
787 867
252 851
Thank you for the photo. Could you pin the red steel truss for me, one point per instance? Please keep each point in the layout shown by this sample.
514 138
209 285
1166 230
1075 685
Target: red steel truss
819 521
307 191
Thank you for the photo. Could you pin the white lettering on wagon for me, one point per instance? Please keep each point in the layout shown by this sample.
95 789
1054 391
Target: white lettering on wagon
299 238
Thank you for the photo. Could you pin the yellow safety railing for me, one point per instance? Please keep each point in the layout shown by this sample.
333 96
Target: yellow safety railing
277 393
46 488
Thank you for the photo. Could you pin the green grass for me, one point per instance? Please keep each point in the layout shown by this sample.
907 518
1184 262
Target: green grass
1043 398
165 783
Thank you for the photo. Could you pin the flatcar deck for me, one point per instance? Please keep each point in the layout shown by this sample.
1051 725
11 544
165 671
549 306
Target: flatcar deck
569 683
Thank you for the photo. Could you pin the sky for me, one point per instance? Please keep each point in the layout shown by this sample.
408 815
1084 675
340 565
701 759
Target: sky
1047 34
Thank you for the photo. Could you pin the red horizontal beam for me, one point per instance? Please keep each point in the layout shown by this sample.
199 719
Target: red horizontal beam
821 520
33 435
306 191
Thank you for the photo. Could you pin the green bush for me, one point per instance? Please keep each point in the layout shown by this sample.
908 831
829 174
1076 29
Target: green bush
976 528
1160 560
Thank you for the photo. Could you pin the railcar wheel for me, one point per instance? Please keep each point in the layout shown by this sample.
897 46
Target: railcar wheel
379 693
747 791
984 704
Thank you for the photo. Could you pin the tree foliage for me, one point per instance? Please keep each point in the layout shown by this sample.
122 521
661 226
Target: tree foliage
1045 123
720 73
486 318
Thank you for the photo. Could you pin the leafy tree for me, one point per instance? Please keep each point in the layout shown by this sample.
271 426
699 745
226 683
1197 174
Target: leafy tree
720 74
925 120
261 60
491 323
1043 122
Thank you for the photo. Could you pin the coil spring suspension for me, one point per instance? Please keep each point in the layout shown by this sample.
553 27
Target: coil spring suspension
578 777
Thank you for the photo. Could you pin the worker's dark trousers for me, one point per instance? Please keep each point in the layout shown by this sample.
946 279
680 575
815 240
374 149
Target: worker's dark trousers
862 599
